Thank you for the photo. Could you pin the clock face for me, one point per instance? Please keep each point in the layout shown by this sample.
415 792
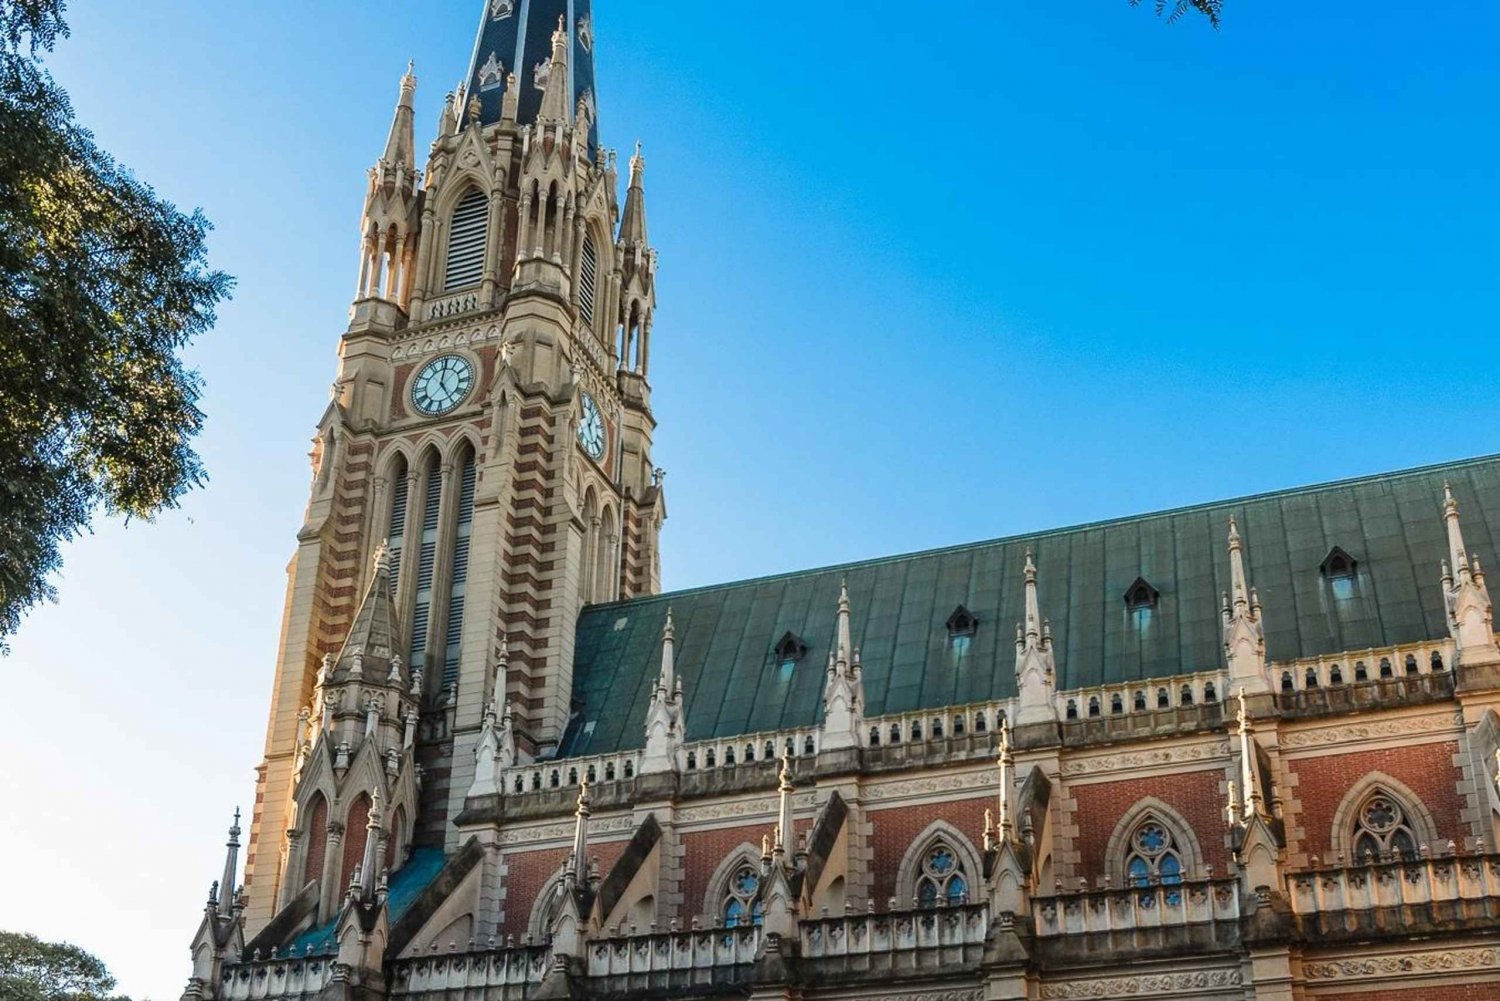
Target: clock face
591 428
441 385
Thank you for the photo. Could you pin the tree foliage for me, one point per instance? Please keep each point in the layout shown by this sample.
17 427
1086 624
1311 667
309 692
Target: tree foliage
1174 9
102 285
33 970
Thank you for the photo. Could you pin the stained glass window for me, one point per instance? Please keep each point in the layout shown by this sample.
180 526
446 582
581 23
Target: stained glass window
1381 830
741 905
1154 857
942 879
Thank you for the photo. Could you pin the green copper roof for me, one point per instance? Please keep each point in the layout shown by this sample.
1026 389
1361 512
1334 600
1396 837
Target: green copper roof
1390 524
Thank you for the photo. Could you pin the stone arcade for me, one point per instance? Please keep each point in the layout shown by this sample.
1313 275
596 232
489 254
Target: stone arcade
1243 750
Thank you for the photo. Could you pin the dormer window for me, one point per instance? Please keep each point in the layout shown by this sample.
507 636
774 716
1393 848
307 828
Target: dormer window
962 625
788 650
1338 568
1141 596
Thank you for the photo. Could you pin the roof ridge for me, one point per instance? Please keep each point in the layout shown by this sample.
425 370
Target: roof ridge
1063 530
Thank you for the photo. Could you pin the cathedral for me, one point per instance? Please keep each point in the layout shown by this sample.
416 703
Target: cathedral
1244 750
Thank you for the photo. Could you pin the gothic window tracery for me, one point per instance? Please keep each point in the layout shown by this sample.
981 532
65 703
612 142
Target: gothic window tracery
942 880
1153 857
1382 830
741 903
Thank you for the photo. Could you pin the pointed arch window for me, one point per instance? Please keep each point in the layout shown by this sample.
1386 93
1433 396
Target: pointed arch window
1382 830
1153 856
432 496
396 532
466 241
588 279
742 898
941 880
459 575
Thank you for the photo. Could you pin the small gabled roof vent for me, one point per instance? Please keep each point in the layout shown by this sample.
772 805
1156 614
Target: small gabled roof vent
1141 595
1338 564
962 622
790 647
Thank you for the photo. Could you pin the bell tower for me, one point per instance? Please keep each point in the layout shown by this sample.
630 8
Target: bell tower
484 464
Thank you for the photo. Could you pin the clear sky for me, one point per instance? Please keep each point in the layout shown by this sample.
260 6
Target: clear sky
929 275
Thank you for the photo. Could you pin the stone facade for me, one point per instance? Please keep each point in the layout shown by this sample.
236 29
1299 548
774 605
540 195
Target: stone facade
1318 825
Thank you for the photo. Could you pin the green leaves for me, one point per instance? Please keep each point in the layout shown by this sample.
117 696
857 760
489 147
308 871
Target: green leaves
102 284
1174 9
33 970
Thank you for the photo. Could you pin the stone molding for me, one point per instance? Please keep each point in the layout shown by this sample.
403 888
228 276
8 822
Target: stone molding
564 831
743 808
427 344
1380 967
1156 983
936 785
1150 758
1448 725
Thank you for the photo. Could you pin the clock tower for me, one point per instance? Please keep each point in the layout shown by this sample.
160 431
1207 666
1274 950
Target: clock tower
483 470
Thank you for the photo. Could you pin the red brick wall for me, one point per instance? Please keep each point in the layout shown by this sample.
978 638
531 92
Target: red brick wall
355 833
1426 769
1456 992
1194 795
703 852
315 836
529 874
894 831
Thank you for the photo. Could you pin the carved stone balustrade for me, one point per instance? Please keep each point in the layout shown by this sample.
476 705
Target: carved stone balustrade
491 975
1364 679
1146 920
456 304
289 979
706 755
1398 897
938 939
662 961
565 773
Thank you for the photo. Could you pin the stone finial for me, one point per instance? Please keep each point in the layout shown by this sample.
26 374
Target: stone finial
382 558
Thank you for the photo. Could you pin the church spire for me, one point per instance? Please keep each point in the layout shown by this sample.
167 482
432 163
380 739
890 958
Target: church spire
633 225
555 102
231 866
400 147
1244 635
1035 665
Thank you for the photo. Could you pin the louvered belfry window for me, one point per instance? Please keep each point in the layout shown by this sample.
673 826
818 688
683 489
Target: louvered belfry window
460 575
588 280
426 563
396 536
466 239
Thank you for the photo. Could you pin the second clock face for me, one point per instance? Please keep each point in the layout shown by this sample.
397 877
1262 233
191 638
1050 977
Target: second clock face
442 385
591 428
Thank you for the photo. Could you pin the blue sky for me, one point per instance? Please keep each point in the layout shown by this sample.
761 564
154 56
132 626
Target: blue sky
926 279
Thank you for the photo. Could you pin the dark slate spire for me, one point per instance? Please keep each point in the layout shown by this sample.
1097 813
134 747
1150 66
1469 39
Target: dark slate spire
515 36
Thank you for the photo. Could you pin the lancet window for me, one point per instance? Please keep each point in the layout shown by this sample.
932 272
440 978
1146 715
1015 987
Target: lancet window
588 279
396 532
466 240
432 495
459 574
